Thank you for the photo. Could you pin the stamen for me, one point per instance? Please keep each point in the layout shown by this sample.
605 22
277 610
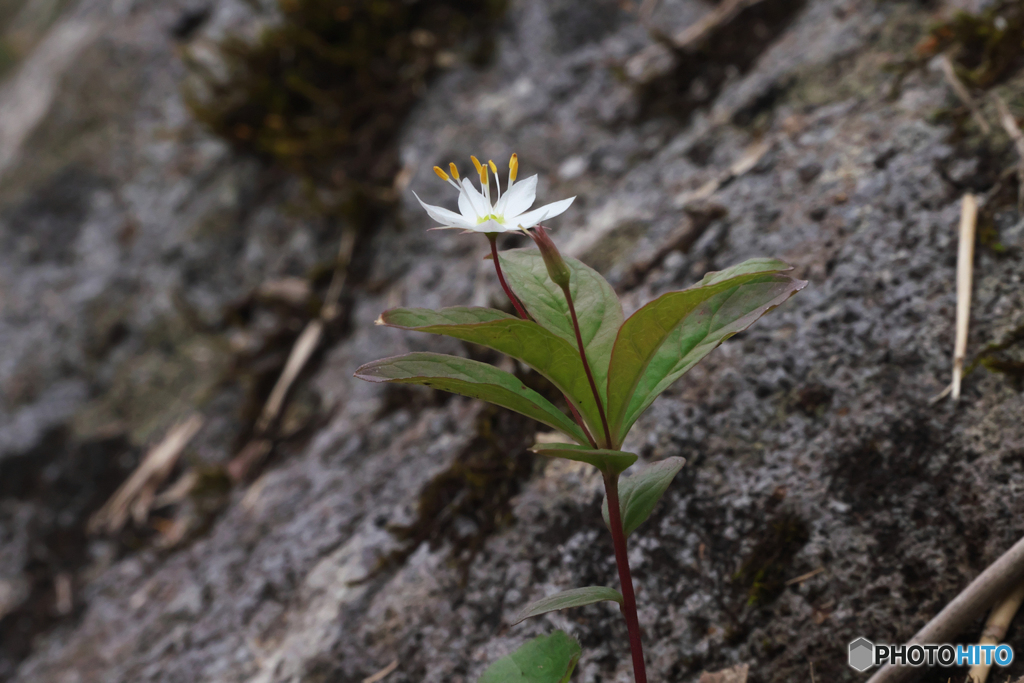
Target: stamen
476 162
513 169
441 174
486 184
454 170
497 180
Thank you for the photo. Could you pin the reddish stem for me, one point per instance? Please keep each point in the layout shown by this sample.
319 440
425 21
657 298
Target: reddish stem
611 487
579 420
493 237
586 367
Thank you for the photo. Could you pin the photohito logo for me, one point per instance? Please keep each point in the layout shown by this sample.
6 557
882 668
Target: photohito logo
864 654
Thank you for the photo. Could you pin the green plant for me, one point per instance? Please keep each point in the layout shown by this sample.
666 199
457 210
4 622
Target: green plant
571 329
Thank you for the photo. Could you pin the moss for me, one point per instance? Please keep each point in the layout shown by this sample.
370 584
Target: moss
766 568
324 91
1005 357
986 48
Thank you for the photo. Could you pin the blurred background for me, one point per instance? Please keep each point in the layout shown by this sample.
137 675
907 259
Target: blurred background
205 205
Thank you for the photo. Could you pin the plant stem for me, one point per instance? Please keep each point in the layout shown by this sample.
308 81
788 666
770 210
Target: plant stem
611 487
493 238
586 367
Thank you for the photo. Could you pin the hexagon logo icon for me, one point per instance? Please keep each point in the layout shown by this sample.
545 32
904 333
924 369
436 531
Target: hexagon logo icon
862 654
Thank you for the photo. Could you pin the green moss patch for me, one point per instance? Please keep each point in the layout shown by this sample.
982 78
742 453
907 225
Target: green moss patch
324 91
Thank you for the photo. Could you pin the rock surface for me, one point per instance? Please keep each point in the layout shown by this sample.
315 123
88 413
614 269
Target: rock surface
412 527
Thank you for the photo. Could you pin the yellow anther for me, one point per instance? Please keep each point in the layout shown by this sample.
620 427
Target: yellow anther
441 174
513 167
455 171
494 169
479 168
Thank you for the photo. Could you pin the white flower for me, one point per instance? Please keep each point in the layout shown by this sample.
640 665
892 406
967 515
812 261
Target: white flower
507 214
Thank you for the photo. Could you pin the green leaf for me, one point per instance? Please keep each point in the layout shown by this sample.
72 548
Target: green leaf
615 462
668 336
470 378
545 659
545 352
639 493
576 597
597 307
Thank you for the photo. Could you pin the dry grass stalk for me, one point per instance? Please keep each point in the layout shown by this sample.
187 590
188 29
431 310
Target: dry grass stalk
997 580
310 338
330 308
251 455
380 675
64 597
741 166
178 491
136 495
301 352
803 577
964 277
995 630
735 674
1013 130
961 91
307 343
725 12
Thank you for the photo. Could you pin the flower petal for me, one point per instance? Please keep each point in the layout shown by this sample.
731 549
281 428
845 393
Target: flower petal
478 201
518 199
444 216
532 218
490 225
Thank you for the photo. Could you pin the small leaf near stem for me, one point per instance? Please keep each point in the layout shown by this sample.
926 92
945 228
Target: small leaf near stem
639 493
636 647
493 238
575 597
605 460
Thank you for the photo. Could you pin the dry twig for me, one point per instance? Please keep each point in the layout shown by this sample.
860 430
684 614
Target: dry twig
998 579
301 352
964 276
380 675
699 215
307 343
739 167
735 674
137 493
961 91
694 34
995 630
803 577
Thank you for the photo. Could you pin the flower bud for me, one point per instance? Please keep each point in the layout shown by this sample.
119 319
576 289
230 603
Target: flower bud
558 270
